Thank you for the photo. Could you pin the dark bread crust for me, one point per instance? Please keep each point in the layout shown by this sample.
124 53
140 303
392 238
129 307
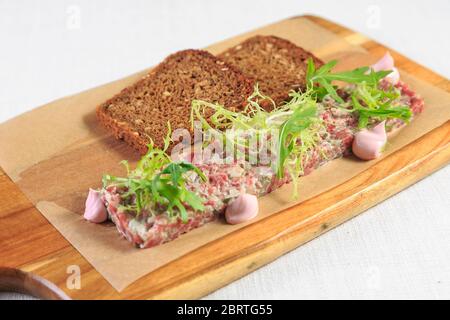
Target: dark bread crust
141 111
276 64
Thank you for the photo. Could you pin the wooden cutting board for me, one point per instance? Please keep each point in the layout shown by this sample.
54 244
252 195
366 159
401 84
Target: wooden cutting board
34 256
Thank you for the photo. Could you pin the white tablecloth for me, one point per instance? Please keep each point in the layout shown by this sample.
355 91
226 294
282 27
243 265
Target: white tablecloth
398 249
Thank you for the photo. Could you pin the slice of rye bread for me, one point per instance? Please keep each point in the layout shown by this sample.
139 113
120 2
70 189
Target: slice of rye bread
142 110
277 65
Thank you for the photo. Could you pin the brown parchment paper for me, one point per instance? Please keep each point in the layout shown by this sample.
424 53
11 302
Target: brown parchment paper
56 152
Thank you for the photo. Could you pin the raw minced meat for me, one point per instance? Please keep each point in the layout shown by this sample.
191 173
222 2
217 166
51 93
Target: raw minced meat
226 181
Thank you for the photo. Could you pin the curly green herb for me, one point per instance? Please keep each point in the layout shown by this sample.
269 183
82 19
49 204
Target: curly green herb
157 181
367 98
296 122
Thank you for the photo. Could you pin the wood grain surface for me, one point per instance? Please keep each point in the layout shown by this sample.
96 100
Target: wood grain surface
35 258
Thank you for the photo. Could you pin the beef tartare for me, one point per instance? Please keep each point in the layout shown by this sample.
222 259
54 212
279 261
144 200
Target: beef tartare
338 116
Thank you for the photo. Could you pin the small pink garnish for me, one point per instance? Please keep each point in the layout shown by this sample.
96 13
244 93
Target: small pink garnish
95 210
368 144
387 63
243 208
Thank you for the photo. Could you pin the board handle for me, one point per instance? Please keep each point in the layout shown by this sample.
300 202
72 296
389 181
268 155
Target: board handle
15 280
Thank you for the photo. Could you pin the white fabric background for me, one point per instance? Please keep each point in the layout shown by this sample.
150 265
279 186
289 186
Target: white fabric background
398 249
